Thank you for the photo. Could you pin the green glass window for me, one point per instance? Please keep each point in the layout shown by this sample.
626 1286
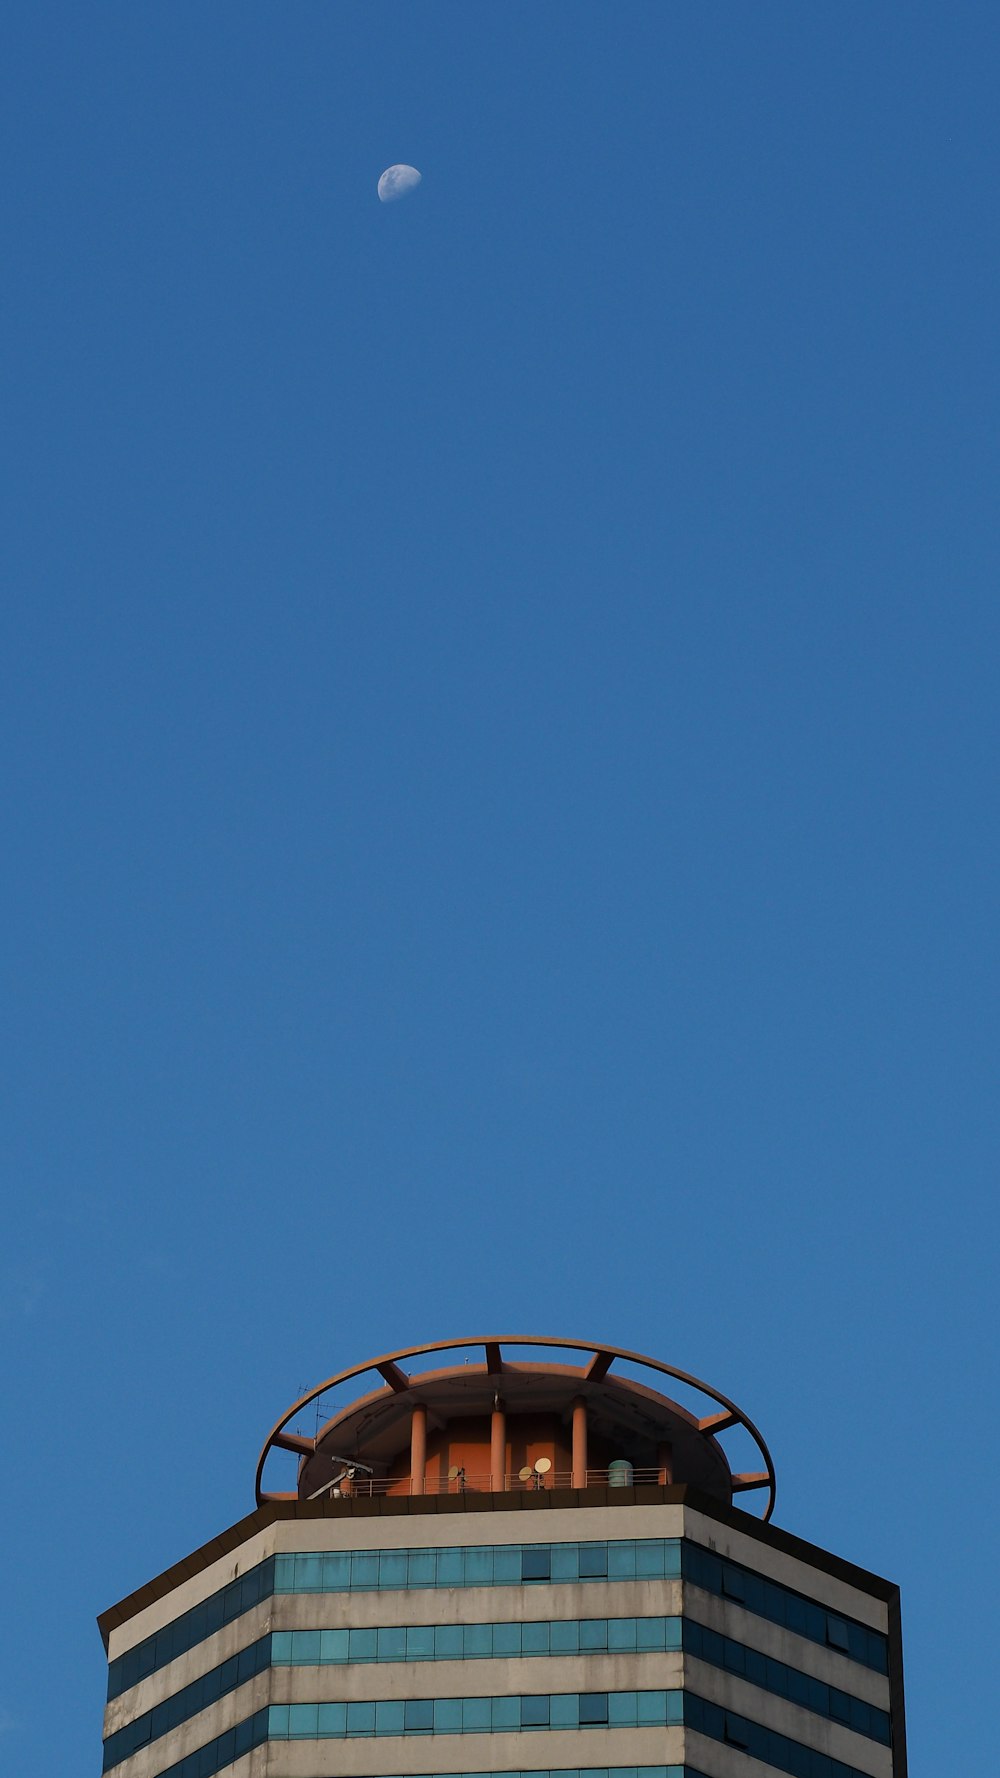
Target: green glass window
534 1713
593 1707
536 1564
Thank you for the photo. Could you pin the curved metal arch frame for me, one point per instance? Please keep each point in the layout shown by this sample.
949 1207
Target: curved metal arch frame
604 1356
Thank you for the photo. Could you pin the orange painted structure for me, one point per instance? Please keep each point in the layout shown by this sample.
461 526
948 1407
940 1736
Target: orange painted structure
495 1423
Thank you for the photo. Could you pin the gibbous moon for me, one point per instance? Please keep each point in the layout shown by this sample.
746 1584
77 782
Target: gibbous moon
397 182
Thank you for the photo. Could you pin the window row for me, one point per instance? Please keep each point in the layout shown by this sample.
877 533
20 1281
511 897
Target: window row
777 1751
473 1716
186 1703
780 1605
465 1642
786 1682
478 1565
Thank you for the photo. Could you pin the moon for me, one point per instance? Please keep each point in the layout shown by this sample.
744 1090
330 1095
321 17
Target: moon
397 182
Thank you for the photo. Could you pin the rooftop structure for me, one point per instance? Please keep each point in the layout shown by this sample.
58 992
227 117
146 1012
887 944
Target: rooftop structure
497 1423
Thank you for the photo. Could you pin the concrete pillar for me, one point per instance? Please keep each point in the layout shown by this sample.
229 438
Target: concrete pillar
666 1458
498 1447
579 1442
418 1448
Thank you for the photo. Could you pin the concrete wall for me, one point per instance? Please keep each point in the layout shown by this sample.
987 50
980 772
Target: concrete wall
523 1751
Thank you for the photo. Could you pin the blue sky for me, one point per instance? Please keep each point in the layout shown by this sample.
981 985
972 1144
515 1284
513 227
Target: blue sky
499 757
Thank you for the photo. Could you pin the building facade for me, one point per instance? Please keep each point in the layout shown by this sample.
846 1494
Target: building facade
508 1565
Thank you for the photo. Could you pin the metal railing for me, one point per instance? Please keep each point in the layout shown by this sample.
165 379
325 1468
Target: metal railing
525 1481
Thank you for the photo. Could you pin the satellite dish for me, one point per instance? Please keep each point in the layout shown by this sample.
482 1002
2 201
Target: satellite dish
543 1465
524 1475
454 1473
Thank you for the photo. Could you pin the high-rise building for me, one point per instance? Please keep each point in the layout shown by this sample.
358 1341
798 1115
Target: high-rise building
508 1565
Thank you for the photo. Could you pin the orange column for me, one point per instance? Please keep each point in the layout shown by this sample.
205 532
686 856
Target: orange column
579 1442
498 1447
418 1448
666 1465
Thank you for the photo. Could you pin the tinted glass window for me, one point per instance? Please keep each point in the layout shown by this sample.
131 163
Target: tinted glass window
593 1707
418 1715
506 1565
420 1568
309 1574
336 1573
534 1713
392 1569
479 1568
536 1564
476 1716
733 1584
451 1568
593 1561
364 1569
389 1716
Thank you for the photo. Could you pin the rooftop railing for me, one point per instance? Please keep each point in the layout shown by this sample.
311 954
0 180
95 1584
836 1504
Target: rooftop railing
461 1481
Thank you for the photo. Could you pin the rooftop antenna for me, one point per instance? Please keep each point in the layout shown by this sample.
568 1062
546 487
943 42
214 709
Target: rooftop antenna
323 1412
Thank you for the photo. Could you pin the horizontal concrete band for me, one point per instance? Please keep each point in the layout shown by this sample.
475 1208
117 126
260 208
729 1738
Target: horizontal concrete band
520 1751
